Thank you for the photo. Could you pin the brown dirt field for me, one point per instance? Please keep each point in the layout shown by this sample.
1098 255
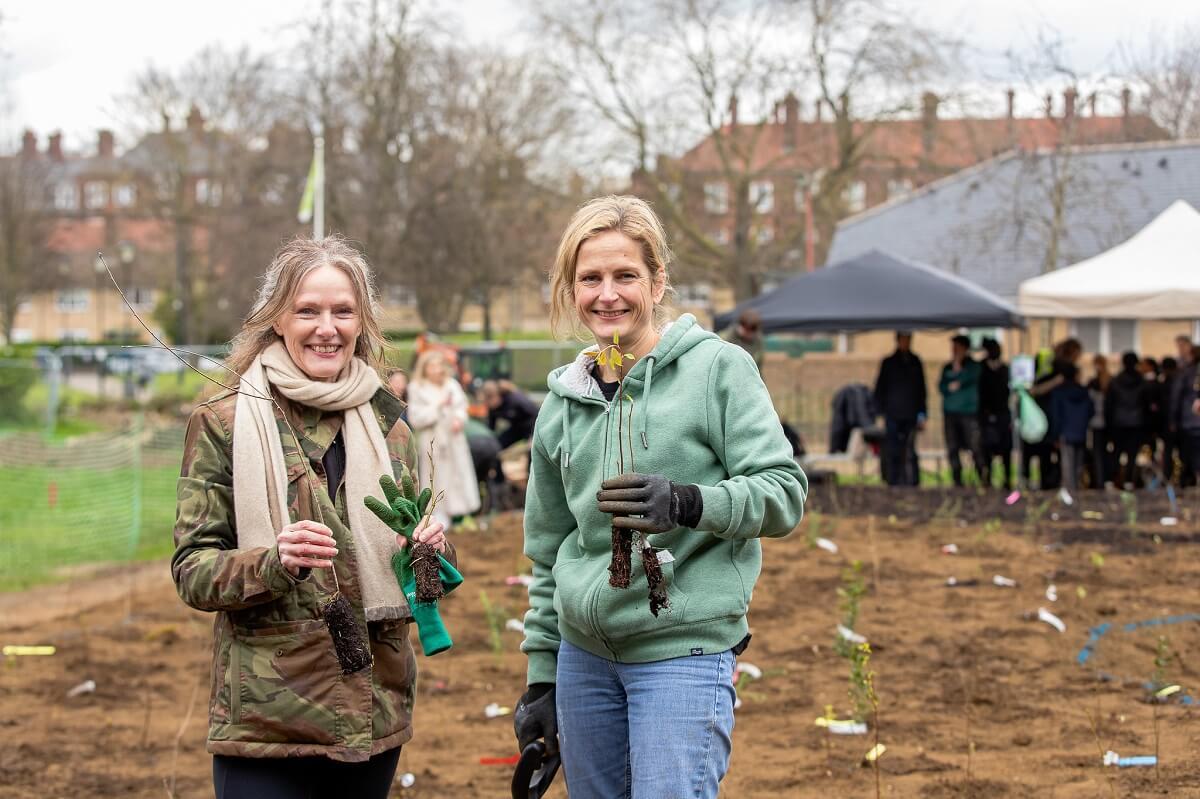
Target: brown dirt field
945 659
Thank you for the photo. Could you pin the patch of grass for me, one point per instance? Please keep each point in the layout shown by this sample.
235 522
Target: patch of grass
63 517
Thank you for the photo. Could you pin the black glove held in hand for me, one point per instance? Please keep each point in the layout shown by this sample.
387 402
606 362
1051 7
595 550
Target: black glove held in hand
650 503
535 717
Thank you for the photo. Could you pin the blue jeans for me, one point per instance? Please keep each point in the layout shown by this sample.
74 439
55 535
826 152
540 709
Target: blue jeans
660 730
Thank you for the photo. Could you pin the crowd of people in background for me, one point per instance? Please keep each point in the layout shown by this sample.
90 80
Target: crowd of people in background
1139 425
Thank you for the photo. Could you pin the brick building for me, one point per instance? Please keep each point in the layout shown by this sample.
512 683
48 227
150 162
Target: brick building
782 162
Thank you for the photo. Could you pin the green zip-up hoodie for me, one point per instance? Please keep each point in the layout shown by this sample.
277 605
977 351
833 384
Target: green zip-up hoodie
700 415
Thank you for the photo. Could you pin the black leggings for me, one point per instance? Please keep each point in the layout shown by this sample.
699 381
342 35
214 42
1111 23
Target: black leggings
303 777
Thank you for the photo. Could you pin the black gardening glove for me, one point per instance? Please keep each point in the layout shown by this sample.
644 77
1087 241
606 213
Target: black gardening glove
535 717
650 503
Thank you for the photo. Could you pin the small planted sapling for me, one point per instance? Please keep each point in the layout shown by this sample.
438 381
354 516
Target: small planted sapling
620 569
1162 690
862 693
850 594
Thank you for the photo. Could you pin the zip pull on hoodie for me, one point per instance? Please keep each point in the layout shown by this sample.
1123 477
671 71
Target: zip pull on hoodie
576 381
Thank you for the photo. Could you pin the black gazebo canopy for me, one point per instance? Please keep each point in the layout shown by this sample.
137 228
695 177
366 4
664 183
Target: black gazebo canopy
876 291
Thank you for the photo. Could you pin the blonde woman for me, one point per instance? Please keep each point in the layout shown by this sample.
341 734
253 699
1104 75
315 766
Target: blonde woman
437 411
638 697
266 531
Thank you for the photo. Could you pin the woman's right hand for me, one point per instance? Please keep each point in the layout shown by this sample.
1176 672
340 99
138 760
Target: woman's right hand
305 545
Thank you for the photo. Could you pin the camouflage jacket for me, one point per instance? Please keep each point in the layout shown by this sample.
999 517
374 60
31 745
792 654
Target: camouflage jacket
277 689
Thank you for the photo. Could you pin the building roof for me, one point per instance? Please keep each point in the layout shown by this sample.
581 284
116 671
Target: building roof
991 223
955 143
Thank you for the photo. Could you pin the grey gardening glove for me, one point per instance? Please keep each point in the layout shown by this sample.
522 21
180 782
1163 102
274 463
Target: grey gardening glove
535 717
650 503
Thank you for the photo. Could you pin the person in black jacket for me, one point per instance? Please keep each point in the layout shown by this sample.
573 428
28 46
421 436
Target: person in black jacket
900 396
995 417
1127 409
505 402
1184 417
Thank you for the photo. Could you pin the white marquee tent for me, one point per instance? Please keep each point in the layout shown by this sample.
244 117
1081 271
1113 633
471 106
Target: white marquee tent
1153 275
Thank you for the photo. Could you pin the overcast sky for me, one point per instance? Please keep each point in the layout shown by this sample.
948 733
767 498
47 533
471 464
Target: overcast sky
67 59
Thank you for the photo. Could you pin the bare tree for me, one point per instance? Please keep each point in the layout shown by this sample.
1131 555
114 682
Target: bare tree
1168 73
663 73
444 150
24 231
198 130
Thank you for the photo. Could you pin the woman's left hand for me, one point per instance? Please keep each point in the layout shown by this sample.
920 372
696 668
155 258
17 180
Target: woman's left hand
429 531
456 425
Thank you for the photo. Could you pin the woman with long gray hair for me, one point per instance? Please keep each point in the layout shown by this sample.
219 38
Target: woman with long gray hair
272 530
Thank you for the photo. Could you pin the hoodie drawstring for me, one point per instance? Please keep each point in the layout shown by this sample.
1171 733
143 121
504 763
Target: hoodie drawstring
646 402
566 437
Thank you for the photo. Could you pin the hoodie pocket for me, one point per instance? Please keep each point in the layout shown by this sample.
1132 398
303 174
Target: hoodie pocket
614 614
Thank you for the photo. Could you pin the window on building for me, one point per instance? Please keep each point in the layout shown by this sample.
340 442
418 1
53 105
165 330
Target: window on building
674 192
141 297
765 234
22 335
276 189
762 196
898 187
73 334
95 194
716 197
720 236
693 294
855 196
208 192
1106 336
806 183
124 195
66 196
1122 335
71 300
400 295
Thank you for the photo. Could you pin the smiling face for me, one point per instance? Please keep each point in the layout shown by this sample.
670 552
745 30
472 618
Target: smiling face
615 293
321 327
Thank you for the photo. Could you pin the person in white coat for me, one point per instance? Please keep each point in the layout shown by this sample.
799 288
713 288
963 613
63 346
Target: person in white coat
437 412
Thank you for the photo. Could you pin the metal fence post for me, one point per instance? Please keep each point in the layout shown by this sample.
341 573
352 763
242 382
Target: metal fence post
54 378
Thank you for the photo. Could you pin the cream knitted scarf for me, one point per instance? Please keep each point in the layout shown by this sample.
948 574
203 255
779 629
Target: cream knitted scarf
260 479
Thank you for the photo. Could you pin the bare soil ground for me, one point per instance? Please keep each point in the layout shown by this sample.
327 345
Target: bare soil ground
953 665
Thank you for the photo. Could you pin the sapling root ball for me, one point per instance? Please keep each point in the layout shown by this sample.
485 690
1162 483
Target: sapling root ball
349 640
621 568
425 569
654 577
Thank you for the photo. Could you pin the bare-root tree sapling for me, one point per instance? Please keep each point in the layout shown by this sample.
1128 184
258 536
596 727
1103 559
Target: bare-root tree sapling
620 568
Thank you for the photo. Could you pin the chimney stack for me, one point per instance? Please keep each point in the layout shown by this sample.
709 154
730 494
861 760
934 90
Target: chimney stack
1011 97
1126 101
819 108
1069 98
54 150
195 121
1048 104
733 110
791 121
104 144
929 116
1092 104
28 144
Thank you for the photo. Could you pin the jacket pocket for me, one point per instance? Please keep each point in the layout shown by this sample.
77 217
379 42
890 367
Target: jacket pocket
625 612
393 678
288 682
